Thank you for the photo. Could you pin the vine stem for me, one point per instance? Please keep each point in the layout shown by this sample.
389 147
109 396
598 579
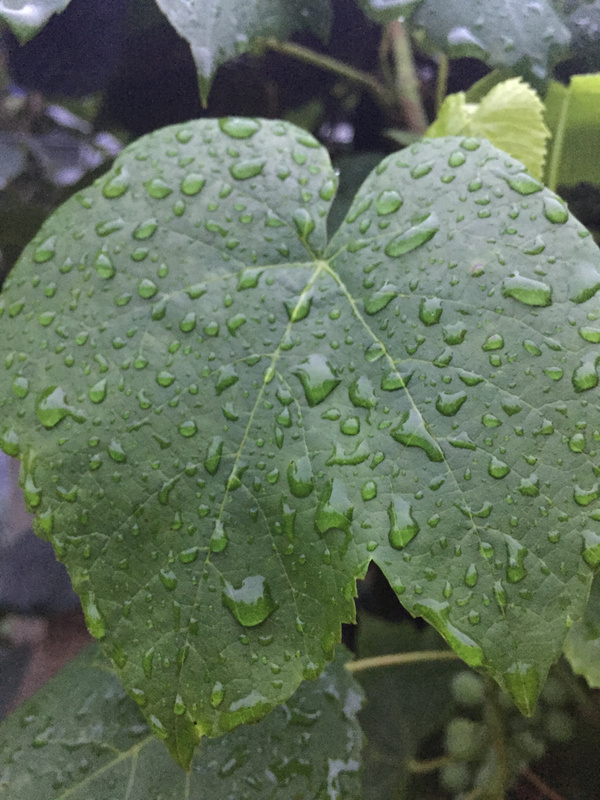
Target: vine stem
427 765
400 659
358 76
557 144
406 80
534 780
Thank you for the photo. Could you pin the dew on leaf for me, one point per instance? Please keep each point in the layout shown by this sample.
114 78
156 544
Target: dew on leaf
97 392
20 386
147 288
497 468
374 352
145 229
52 407
117 185
93 618
577 442
350 426
555 211
523 183
585 376
334 509
411 432
369 490
414 237
226 377
403 526
217 694
448 404
192 184
168 579
516 552
591 548
388 202
116 452
251 603
430 310
165 378
239 127
380 299
583 497
157 188
45 251
317 377
304 223
188 428
103 264
243 170
493 342
526 290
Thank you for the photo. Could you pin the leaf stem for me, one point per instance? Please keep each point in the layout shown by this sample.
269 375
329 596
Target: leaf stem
557 144
427 765
441 86
400 659
406 81
358 76
539 784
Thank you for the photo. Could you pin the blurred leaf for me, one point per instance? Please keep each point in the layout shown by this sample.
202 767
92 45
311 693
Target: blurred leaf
573 116
527 37
405 704
12 158
510 116
388 10
583 21
31 17
582 646
219 30
81 737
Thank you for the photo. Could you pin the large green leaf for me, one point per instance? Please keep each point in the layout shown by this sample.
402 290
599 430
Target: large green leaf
27 18
528 37
582 647
573 116
219 30
222 419
82 738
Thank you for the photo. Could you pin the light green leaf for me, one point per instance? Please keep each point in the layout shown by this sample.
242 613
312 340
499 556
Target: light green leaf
25 19
388 10
222 418
582 646
82 738
529 38
219 30
573 116
510 116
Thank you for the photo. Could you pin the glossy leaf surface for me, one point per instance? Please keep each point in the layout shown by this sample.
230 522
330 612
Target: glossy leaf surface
527 36
25 19
222 418
219 30
82 738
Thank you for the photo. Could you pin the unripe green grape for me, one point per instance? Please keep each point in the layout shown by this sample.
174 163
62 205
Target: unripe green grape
465 739
455 777
558 726
528 747
554 692
468 689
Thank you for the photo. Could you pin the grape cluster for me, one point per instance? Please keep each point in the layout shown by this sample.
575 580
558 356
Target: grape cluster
489 742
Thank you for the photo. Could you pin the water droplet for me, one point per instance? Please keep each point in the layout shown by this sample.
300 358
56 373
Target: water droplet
52 407
116 452
403 526
414 237
317 377
554 210
147 288
515 570
226 377
188 428
411 431
168 579
497 468
304 223
430 310
103 264
369 490
583 497
251 603
456 159
380 299
527 291
243 170
20 386
350 426
590 334
219 539
117 185
493 342
361 393
145 229
9 442
239 127
591 548
449 404
471 576
165 378
454 334
158 729
585 376
157 188
97 393
523 183
93 618
334 509
248 278
147 662
45 251
388 202
217 694
300 477
577 442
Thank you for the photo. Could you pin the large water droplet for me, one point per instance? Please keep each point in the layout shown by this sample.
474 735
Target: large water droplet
239 127
361 393
334 509
414 237
516 552
403 526
97 393
381 298
117 185
300 477
226 377
388 201
583 497
243 170
591 548
430 310
497 468
317 377
555 211
527 291
45 251
449 404
219 539
585 376
52 407
145 229
251 603
411 431
523 183
93 618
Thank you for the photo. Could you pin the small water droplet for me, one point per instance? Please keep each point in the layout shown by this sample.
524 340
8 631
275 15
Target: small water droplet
361 393
388 202
93 618
117 185
430 310
103 264
414 237
145 229
226 377
97 393
591 548
555 211
497 468
583 497
380 299
217 694
516 552
219 539
577 442
493 342
304 223
20 386
523 183
243 170
471 576
369 490
403 526
585 376
157 188
45 251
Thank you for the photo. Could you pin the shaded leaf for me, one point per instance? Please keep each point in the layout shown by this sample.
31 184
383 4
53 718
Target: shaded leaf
81 737
219 30
26 21
222 418
528 37
510 116
582 646
573 116
12 158
388 10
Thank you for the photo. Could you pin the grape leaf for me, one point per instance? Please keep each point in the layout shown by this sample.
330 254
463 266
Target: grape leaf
82 737
582 646
31 17
219 30
222 419
510 116
572 114
529 37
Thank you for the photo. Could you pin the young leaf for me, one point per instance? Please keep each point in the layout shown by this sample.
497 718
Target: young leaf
528 37
582 646
573 114
510 116
221 419
31 17
219 30
82 737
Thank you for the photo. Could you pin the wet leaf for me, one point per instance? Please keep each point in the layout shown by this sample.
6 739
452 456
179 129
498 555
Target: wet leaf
526 36
222 418
81 737
582 646
219 30
31 17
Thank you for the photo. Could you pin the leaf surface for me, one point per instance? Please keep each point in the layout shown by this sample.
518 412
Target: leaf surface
82 738
388 10
222 418
528 37
220 30
582 646
31 17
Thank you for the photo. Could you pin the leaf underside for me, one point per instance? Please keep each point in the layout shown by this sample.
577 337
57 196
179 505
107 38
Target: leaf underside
222 418
81 737
220 30
28 20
